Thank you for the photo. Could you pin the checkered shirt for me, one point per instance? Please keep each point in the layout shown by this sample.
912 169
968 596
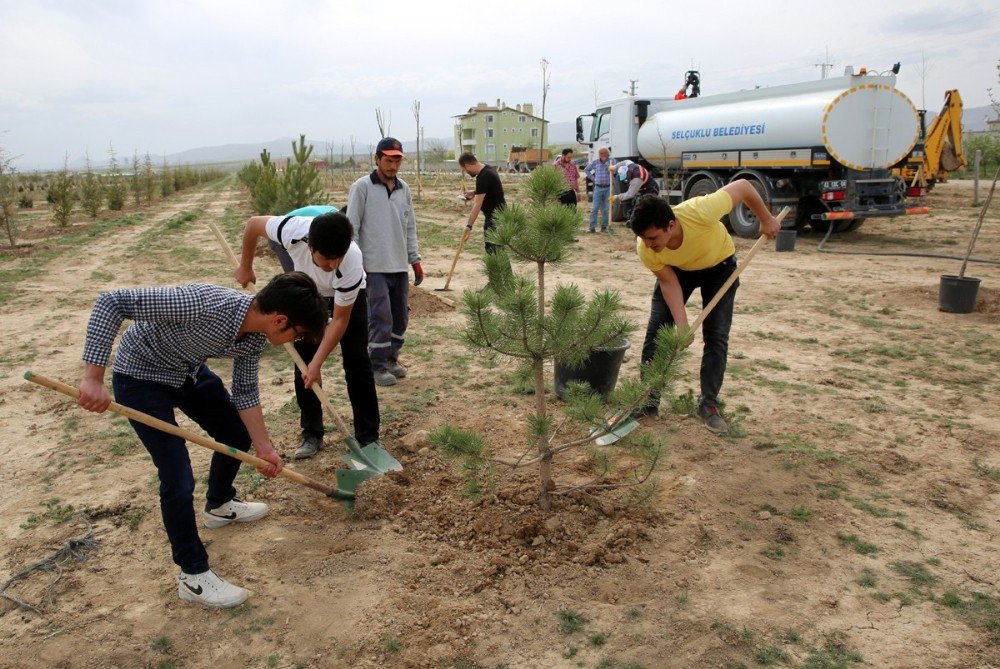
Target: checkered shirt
174 331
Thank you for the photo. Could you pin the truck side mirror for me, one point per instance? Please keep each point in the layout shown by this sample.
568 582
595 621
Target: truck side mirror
579 129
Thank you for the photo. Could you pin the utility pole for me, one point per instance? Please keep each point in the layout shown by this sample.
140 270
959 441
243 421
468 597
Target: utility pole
545 94
826 65
633 84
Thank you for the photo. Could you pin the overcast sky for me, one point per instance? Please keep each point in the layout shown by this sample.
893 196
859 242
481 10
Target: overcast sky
172 75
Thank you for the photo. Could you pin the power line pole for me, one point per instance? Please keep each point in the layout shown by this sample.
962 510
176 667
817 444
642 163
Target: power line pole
545 93
826 65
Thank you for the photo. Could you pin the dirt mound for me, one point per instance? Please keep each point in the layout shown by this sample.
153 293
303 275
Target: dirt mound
424 303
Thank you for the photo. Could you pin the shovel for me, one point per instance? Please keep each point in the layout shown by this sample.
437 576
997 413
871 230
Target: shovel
461 245
371 457
347 479
616 432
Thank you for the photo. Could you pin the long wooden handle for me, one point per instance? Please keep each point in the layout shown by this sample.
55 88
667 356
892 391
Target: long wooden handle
732 277
187 435
299 362
454 263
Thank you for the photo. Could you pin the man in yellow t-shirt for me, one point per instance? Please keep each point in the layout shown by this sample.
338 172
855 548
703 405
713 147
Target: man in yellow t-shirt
687 247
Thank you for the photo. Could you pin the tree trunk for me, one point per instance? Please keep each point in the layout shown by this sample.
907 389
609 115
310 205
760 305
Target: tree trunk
545 463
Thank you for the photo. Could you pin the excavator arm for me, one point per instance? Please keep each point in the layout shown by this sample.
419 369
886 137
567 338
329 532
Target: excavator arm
943 144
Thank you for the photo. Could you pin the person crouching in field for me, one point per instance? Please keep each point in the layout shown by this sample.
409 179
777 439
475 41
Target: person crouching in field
320 245
160 366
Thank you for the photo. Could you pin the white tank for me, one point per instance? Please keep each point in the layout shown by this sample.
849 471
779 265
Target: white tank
863 121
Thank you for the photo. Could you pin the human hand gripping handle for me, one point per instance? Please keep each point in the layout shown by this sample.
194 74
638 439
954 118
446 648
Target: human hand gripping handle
418 274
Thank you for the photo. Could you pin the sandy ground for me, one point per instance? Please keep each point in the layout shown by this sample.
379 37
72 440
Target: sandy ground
849 520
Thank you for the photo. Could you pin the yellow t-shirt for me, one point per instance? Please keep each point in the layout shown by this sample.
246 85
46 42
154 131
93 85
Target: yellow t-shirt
706 241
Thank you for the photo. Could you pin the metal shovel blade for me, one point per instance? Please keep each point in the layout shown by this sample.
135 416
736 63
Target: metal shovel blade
373 457
614 435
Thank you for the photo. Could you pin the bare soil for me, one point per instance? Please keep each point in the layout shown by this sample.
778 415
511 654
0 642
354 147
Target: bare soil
849 519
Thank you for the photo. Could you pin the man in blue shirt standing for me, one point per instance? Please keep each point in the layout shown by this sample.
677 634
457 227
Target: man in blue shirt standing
599 172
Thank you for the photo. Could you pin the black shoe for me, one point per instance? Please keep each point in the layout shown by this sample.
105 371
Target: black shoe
713 421
648 411
308 447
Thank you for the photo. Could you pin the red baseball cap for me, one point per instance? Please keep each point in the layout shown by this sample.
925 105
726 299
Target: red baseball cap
389 146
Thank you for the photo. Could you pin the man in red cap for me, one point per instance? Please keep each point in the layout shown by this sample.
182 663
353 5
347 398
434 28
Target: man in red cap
380 207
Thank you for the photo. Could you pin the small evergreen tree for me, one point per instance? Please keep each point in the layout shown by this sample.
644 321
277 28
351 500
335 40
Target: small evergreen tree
300 184
134 178
166 180
264 191
91 192
8 194
509 318
148 178
63 193
116 189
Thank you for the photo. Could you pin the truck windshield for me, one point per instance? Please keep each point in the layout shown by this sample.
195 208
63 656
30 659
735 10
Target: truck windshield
602 125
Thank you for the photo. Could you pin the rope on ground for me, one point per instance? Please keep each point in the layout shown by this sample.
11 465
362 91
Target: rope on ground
75 549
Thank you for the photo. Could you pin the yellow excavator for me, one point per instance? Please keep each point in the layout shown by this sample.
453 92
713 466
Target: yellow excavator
939 150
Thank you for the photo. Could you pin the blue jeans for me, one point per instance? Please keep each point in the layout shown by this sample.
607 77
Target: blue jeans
600 206
388 316
207 402
357 374
715 329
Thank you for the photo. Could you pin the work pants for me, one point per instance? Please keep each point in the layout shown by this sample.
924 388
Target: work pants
600 206
715 329
206 401
388 316
357 375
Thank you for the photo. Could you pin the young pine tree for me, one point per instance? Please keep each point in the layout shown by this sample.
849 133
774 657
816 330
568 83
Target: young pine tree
148 178
91 192
510 318
117 189
63 193
300 185
8 194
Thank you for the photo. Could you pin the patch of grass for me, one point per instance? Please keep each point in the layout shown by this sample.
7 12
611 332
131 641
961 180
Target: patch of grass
633 614
800 513
161 644
684 405
832 490
859 546
391 644
570 621
773 364
135 518
992 473
768 655
919 575
250 480
833 655
795 445
260 622
597 639
877 511
875 405
272 660
54 511
867 579
101 276
773 552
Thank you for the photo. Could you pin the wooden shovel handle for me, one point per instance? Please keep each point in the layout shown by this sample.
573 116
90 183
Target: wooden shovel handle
187 435
299 362
732 277
454 263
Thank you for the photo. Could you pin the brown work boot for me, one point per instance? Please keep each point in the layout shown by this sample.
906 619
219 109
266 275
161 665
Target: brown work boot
709 415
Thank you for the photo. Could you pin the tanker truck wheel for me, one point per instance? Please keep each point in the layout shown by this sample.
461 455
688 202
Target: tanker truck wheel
744 223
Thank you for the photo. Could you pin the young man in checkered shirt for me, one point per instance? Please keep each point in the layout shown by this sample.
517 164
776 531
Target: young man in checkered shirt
160 366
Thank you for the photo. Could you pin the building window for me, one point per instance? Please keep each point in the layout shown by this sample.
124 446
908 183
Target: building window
489 118
534 132
489 133
521 118
505 146
505 129
491 150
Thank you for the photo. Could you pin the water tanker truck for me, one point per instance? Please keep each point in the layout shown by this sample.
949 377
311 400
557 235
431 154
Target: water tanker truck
824 148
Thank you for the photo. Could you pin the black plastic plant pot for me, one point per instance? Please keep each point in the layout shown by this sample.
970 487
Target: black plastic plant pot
785 241
958 293
599 371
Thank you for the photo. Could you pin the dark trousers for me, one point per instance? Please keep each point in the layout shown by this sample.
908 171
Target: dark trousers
489 224
568 198
388 316
207 402
357 374
715 329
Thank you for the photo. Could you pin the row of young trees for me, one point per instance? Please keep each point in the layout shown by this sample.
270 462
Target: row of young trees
276 191
142 183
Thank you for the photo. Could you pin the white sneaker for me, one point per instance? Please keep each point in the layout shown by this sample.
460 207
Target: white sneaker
234 511
208 589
